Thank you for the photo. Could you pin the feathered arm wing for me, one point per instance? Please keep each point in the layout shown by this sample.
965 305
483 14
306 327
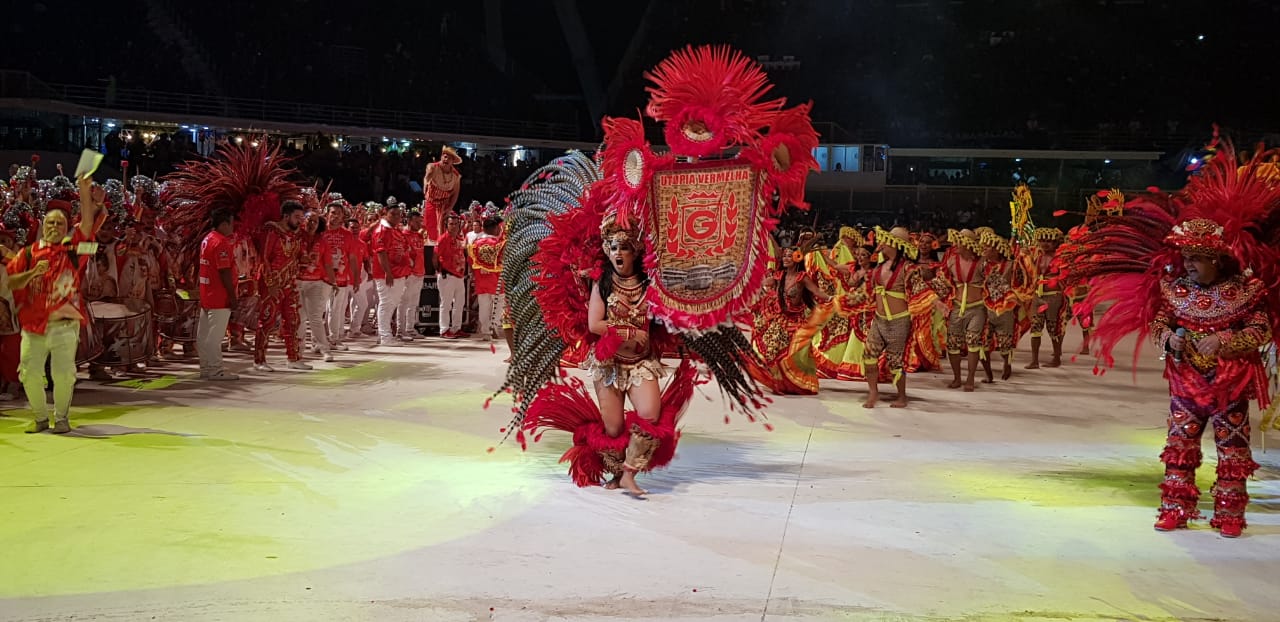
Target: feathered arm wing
1124 260
553 247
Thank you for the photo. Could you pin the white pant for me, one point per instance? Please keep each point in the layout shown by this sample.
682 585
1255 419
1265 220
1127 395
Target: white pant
491 306
388 300
409 304
338 312
315 297
360 304
453 299
58 346
209 333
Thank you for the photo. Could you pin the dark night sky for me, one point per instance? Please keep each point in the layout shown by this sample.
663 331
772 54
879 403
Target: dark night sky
927 65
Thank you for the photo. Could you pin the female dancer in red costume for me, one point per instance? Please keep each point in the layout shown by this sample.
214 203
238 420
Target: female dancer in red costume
790 313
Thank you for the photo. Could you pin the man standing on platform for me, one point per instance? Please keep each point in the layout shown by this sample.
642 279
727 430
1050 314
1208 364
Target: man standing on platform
440 186
451 270
217 295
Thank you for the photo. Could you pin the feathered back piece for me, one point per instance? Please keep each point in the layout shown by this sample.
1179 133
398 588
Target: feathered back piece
250 181
553 248
710 98
1124 257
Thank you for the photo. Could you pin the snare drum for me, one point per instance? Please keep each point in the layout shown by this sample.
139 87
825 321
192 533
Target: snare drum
124 326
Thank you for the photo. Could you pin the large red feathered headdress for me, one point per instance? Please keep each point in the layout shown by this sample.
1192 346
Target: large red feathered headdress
710 99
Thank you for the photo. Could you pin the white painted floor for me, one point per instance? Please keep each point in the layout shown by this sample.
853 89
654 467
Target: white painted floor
363 491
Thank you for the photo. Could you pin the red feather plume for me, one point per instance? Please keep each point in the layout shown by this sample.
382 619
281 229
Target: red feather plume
568 258
250 181
628 164
786 155
716 88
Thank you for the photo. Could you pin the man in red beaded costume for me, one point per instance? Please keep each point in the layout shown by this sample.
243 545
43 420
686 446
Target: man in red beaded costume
1210 324
282 245
1181 268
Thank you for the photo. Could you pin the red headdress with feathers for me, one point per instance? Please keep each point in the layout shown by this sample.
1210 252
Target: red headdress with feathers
1227 209
710 99
250 181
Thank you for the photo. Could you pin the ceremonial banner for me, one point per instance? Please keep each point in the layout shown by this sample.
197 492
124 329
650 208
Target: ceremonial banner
708 239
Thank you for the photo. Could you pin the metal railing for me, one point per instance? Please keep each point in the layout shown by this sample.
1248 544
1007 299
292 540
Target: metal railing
16 84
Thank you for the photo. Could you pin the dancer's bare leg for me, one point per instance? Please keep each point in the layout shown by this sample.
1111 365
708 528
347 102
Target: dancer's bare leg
1035 354
973 370
611 405
955 370
871 371
1008 367
1056 361
901 400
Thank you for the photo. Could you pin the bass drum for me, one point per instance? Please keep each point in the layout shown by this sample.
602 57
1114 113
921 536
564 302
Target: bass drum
124 326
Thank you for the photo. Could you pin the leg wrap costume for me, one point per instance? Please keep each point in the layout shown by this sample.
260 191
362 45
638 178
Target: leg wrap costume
1182 455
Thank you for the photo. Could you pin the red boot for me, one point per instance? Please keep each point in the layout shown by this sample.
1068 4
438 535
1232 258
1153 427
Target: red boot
1171 519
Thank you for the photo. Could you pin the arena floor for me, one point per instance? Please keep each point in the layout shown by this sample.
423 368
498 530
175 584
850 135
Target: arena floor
363 491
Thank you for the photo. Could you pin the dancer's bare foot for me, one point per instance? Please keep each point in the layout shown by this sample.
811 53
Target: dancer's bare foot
900 402
613 483
968 387
955 384
1033 365
628 481
1054 362
871 401
1084 349
989 379
1008 371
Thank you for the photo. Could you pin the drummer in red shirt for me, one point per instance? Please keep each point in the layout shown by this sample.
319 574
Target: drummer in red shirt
46 279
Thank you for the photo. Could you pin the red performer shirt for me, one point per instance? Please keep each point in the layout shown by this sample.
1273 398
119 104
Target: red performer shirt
387 239
217 252
342 243
413 248
312 257
48 293
451 252
281 252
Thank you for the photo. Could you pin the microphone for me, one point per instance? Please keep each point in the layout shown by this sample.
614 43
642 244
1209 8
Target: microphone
1177 354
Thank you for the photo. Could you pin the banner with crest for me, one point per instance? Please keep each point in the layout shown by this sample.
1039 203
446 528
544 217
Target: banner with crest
708 232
